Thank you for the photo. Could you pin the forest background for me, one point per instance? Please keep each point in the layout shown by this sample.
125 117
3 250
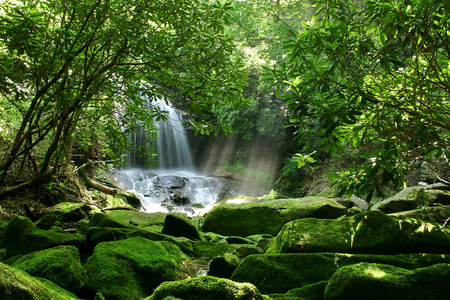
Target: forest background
358 90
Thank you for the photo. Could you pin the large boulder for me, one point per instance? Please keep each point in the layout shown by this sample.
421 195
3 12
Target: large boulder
407 199
279 273
258 217
368 281
368 232
21 236
133 268
17 284
67 211
61 265
436 213
206 288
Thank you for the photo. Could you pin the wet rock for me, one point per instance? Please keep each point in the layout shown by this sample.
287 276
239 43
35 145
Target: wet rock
170 181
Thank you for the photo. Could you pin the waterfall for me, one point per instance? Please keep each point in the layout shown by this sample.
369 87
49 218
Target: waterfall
174 186
172 146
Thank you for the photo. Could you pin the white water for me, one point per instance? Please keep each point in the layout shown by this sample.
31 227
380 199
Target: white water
192 189
195 192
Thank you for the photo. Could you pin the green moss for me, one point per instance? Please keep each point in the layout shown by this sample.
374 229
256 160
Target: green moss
179 225
17 284
22 236
211 249
68 211
366 281
313 291
132 268
61 265
249 218
206 288
281 273
127 219
368 232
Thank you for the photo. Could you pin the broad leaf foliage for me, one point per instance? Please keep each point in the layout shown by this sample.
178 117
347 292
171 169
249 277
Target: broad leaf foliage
373 73
72 67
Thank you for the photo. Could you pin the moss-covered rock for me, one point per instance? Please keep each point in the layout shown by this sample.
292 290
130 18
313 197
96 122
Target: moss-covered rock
209 249
96 235
367 281
180 226
22 236
127 219
436 213
67 211
17 284
368 232
407 199
249 218
224 265
279 273
132 268
61 265
206 288
313 291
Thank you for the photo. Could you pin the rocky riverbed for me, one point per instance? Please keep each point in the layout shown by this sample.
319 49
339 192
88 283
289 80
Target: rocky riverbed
239 248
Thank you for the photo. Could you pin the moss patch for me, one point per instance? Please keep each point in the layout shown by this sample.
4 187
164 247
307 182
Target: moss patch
206 288
366 281
267 216
369 232
22 236
127 219
17 284
60 264
132 268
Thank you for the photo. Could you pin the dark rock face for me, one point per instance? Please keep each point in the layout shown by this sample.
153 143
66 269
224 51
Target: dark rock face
180 226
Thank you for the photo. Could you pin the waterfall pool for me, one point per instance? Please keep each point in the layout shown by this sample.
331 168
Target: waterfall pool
171 190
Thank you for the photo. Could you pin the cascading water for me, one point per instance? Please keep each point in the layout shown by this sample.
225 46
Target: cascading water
174 186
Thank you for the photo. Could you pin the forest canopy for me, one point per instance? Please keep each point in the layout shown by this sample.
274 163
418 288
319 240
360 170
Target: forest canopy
78 69
371 75
325 79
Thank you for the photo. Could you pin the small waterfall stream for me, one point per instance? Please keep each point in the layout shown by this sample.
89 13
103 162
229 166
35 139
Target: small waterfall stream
175 185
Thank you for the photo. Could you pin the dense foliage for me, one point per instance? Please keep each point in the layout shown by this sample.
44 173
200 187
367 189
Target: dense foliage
373 75
77 69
